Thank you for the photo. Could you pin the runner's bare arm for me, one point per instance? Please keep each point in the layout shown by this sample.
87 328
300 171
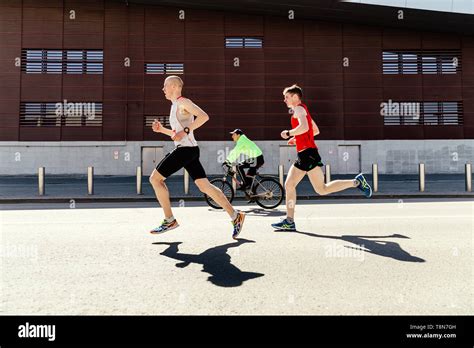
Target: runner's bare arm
303 126
159 128
201 116
315 128
292 140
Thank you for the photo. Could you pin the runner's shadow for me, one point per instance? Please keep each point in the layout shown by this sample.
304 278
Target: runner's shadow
264 212
376 247
215 261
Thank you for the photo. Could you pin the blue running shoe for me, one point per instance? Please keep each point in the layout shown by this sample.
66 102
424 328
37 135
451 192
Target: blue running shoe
284 225
364 185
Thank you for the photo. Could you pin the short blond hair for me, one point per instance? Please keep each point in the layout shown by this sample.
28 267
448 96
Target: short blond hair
175 79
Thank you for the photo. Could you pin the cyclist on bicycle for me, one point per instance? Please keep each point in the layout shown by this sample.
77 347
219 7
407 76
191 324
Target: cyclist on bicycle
253 160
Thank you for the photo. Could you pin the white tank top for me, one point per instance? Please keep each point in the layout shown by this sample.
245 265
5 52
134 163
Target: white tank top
178 122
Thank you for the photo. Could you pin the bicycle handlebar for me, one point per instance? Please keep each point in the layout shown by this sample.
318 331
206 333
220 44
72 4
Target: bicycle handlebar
227 169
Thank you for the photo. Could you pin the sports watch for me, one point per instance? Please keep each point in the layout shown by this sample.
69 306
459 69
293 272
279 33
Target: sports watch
186 130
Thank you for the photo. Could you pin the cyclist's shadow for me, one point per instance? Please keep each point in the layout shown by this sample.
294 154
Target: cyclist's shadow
376 247
264 212
215 261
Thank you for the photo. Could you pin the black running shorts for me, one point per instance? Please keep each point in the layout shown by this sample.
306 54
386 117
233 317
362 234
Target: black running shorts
186 157
308 159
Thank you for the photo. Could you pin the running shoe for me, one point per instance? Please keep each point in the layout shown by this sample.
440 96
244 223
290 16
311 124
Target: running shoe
238 223
165 227
364 185
284 225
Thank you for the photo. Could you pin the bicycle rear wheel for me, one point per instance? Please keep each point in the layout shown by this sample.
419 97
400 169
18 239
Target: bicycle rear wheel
269 193
225 187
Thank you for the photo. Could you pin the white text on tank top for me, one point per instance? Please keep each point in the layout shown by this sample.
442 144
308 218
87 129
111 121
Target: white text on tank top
178 126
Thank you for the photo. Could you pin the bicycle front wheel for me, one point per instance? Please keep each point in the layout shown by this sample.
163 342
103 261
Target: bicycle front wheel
269 193
225 187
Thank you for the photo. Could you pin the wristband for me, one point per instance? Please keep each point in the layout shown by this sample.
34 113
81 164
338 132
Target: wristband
288 133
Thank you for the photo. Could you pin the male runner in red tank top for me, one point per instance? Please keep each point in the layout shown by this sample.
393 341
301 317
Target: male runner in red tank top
309 162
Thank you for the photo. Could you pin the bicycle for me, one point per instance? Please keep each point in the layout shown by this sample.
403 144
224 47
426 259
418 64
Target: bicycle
265 190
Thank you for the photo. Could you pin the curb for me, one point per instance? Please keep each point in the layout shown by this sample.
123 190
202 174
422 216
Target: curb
200 198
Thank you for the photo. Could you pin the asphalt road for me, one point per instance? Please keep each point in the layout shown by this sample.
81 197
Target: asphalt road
348 257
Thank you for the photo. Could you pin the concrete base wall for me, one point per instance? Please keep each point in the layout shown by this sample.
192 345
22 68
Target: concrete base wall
122 158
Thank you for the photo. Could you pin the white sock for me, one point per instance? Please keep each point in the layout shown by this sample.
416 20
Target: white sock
234 215
170 219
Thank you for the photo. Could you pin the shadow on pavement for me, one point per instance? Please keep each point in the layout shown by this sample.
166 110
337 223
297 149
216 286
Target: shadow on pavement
215 261
264 212
255 211
382 248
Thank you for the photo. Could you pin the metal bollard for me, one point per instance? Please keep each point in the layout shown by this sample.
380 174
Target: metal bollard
41 172
468 177
281 174
186 182
234 183
90 180
375 177
422 177
327 177
139 180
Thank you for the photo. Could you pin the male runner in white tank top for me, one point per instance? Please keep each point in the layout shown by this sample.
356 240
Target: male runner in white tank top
185 155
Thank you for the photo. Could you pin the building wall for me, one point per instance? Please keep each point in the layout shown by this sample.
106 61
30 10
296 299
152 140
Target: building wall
345 101
122 158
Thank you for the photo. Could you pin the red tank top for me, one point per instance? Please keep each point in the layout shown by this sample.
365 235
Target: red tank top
306 140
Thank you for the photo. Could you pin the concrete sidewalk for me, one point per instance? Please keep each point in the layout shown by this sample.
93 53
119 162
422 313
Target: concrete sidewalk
123 188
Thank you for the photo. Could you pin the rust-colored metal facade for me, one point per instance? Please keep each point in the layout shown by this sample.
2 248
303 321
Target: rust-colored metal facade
344 100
